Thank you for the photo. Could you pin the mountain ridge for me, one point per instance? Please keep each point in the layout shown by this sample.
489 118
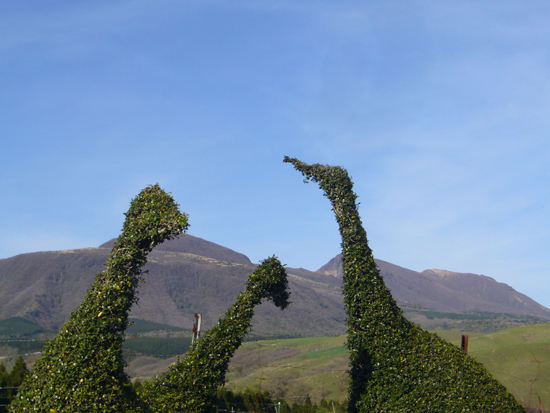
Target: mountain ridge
190 275
449 291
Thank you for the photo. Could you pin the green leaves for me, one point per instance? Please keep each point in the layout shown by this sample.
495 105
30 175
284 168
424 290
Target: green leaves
395 365
82 369
190 385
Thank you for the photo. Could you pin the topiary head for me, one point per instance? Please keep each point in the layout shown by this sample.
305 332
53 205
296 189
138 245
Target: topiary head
153 217
271 279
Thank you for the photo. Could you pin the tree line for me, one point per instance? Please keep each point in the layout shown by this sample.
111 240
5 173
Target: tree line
10 382
257 401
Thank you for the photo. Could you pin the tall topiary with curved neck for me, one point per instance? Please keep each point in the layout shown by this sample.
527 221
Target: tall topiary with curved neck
395 366
191 383
82 369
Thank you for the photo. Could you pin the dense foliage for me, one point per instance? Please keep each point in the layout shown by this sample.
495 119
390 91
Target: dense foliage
395 366
10 382
82 368
245 401
190 384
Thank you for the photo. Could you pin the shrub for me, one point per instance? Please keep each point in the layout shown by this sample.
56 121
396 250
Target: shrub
82 368
395 366
190 384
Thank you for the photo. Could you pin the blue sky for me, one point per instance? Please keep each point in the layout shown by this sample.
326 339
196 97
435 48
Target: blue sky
439 111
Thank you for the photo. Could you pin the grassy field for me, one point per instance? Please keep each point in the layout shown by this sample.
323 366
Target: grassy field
519 358
468 321
292 367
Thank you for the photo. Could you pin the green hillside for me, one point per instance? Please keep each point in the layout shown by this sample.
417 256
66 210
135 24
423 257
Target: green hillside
18 327
519 358
292 367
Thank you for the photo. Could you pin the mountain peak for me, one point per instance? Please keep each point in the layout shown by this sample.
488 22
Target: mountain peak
439 273
448 291
198 246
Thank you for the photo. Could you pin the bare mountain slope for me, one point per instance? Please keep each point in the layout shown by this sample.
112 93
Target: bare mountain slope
198 246
47 286
186 276
448 291
191 275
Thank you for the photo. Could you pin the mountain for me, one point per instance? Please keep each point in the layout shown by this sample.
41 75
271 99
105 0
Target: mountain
448 291
186 275
190 275
193 245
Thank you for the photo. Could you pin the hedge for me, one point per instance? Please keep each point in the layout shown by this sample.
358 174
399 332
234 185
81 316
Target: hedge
190 384
82 368
395 366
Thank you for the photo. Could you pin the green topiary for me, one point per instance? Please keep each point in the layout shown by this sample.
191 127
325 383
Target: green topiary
190 384
395 366
82 368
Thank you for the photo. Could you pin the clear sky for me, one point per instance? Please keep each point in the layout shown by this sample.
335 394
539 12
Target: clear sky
439 110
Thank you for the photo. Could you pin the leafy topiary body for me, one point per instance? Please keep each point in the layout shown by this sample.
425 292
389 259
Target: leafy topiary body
82 368
190 384
395 366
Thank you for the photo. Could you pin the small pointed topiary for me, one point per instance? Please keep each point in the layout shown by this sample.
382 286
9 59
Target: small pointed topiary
82 368
395 366
190 384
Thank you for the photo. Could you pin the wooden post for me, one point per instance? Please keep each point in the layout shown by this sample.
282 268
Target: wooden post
197 321
464 344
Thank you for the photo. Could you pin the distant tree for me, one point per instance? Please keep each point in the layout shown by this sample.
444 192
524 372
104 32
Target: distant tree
394 364
82 368
3 375
296 408
228 400
137 385
10 382
190 384
18 373
5 398
308 404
